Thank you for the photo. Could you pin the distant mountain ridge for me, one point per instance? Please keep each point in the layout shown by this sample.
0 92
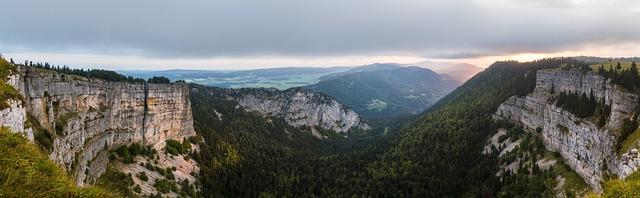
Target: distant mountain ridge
457 71
386 90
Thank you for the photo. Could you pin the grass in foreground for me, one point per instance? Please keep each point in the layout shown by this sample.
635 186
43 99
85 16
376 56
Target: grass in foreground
26 172
629 187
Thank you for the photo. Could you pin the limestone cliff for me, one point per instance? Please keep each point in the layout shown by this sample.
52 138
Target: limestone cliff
298 107
588 149
87 117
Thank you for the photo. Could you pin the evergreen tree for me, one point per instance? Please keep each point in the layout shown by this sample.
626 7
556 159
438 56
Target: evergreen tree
618 66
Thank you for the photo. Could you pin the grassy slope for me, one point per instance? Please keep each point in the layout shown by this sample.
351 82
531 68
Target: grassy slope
26 172
629 187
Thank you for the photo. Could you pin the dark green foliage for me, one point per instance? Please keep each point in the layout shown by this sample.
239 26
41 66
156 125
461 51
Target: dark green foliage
43 138
89 73
247 155
581 66
7 91
159 79
137 189
584 107
627 78
117 180
436 155
166 172
392 92
127 153
142 176
628 127
529 181
175 147
187 190
439 154
165 186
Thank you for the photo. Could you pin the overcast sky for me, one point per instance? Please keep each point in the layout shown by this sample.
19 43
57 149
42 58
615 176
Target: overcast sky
234 34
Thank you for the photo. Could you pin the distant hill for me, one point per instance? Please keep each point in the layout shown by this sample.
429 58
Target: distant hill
365 68
457 71
386 90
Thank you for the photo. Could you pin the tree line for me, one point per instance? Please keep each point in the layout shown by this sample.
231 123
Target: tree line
584 106
107 75
627 78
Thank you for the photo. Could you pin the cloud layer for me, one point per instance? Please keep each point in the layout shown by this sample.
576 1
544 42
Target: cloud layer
241 28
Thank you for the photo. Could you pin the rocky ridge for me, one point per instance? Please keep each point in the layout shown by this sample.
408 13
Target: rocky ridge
299 107
586 148
88 117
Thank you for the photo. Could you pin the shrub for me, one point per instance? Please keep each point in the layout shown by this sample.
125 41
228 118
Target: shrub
159 79
174 147
142 176
165 186
7 91
117 180
127 153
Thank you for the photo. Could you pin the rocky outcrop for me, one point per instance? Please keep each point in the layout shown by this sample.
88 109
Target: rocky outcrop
588 149
299 107
87 117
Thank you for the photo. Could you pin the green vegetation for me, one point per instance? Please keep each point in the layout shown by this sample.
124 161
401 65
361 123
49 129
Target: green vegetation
530 179
117 181
174 147
585 106
165 186
26 172
629 187
90 73
7 91
376 105
611 65
391 92
43 138
142 176
159 79
127 153
248 155
166 172
62 121
574 185
438 154
629 126
629 78
629 142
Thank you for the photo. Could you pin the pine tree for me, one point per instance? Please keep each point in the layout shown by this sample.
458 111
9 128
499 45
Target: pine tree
618 66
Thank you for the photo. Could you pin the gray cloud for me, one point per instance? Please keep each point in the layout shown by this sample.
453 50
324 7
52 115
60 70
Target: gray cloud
220 28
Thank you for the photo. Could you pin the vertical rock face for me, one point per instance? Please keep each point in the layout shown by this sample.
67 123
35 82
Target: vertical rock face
588 149
89 116
299 107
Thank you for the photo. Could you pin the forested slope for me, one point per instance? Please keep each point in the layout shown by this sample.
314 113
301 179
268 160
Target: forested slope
438 154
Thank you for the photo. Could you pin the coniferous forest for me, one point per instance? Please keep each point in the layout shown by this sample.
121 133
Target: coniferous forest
433 155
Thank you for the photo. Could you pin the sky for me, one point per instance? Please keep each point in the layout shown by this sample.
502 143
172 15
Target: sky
245 34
